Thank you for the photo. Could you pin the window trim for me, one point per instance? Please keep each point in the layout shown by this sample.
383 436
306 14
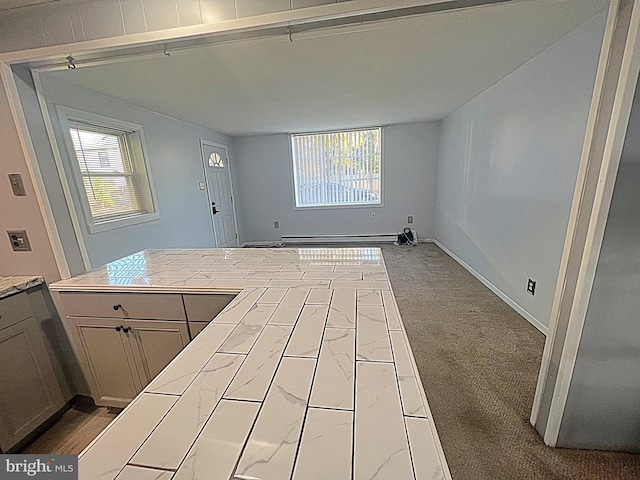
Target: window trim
338 207
68 116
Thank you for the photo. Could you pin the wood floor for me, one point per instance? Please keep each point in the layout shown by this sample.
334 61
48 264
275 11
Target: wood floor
74 431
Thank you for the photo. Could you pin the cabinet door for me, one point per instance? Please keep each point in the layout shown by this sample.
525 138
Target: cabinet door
29 393
109 360
196 327
155 344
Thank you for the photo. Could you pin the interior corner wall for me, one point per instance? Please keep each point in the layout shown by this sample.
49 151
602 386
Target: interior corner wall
508 165
602 409
263 164
20 213
175 164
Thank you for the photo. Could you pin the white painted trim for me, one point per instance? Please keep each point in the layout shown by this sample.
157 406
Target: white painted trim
576 205
374 237
24 136
503 296
273 243
64 182
65 116
209 143
630 69
294 177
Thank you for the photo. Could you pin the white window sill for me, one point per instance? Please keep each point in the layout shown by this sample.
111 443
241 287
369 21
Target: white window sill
339 207
102 227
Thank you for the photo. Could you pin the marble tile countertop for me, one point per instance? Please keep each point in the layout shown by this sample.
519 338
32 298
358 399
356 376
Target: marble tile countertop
18 283
307 374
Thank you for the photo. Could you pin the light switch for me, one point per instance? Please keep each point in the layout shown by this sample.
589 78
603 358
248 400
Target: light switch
19 240
202 186
17 185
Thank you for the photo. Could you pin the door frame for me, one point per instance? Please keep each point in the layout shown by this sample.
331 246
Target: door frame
209 143
606 132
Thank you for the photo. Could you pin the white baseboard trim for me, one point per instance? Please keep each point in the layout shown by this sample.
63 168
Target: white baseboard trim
271 243
379 237
384 238
503 296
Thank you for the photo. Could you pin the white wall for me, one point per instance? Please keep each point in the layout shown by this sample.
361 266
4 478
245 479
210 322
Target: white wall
508 165
263 167
602 409
175 163
20 213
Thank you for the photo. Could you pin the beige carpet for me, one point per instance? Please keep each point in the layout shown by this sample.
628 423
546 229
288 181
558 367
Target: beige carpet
479 360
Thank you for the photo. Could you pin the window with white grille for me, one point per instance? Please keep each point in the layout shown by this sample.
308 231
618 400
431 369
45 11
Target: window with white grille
109 169
337 168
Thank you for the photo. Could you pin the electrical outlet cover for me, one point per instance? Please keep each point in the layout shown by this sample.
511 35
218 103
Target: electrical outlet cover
19 240
531 287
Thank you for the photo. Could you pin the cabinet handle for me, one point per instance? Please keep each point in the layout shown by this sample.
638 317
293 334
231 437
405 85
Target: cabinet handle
117 307
118 328
126 329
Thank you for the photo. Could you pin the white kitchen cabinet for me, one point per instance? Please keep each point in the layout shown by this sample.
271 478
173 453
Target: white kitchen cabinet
122 356
123 340
155 344
29 390
196 327
108 358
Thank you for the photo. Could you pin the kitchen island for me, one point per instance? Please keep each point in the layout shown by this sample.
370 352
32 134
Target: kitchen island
306 374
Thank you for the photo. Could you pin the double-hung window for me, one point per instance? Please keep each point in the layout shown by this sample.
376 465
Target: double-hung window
110 172
337 169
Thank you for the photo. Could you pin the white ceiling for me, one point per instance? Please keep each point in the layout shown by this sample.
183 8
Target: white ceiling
406 70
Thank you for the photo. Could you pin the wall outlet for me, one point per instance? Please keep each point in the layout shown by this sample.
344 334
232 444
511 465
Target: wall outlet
17 185
373 214
276 224
19 240
531 287
410 219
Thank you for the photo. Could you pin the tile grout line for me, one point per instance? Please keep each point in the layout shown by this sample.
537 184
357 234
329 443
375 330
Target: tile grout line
306 408
355 387
255 420
400 397
147 437
204 424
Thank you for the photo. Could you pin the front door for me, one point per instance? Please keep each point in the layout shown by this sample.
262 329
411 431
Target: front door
216 166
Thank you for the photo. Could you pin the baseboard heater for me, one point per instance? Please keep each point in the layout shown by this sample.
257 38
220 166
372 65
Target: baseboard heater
368 238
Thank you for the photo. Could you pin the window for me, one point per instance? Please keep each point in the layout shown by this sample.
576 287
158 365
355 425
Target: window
215 160
337 168
104 159
109 169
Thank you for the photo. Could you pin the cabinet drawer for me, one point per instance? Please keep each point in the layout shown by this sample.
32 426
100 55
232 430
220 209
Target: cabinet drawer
14 309
204 308
123 305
